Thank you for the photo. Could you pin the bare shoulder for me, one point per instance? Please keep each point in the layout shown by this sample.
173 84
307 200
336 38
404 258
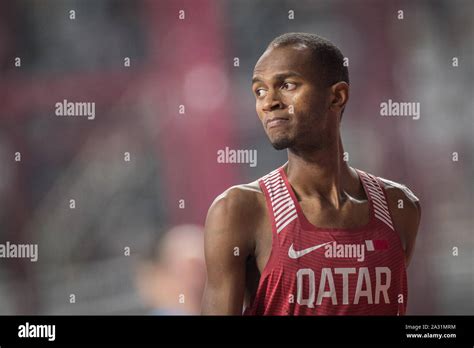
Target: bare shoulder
235 214
400 195
237 200
405 208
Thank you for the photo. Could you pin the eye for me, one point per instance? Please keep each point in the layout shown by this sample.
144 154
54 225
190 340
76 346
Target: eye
260 92
289 86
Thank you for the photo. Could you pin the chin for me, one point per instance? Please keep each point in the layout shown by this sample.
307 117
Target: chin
282 143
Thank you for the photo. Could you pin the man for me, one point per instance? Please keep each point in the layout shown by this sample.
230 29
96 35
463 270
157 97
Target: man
315 236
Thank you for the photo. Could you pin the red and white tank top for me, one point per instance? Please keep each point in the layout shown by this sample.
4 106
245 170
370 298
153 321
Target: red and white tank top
328 271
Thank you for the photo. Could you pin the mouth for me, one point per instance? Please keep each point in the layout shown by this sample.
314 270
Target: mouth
276 122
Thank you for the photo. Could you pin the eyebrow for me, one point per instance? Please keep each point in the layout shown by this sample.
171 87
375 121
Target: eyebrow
279 76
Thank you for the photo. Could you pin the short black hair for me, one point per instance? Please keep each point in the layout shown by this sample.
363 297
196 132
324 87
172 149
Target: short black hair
329 58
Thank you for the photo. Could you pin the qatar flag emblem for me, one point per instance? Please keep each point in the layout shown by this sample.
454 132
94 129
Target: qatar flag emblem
376 244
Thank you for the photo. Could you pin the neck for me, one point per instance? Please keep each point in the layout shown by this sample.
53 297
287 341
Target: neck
322 173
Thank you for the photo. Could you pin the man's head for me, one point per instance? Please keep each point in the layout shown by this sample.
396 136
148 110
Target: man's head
301 87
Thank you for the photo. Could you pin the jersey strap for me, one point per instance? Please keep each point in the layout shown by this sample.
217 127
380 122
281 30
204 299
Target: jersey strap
377 196
283 208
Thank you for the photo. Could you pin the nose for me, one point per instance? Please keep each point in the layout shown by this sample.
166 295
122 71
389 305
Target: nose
272 101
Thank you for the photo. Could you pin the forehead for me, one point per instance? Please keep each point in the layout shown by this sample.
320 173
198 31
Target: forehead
295 58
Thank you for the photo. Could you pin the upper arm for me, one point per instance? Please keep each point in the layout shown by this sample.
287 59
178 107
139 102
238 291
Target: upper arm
406 213
227 245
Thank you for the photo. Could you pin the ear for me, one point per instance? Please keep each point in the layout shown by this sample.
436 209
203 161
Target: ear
339 96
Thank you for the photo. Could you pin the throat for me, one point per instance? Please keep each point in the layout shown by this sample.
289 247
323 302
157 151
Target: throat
352 214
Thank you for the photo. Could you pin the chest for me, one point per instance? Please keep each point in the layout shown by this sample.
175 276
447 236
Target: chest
346 245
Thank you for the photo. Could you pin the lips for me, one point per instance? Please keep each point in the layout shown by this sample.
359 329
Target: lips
275 122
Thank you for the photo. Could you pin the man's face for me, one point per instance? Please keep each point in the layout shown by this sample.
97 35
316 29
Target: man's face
290 100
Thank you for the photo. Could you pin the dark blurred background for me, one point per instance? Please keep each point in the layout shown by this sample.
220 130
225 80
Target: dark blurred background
115 252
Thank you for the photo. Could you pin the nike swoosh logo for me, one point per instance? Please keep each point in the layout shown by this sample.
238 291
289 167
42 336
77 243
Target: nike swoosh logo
293 254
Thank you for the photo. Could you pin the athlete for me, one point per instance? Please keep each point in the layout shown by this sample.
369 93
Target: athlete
315 236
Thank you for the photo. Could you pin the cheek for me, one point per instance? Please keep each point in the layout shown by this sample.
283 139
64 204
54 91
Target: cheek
259 112
300 106
309 107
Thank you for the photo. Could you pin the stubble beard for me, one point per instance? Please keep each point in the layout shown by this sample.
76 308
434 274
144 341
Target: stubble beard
282 143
